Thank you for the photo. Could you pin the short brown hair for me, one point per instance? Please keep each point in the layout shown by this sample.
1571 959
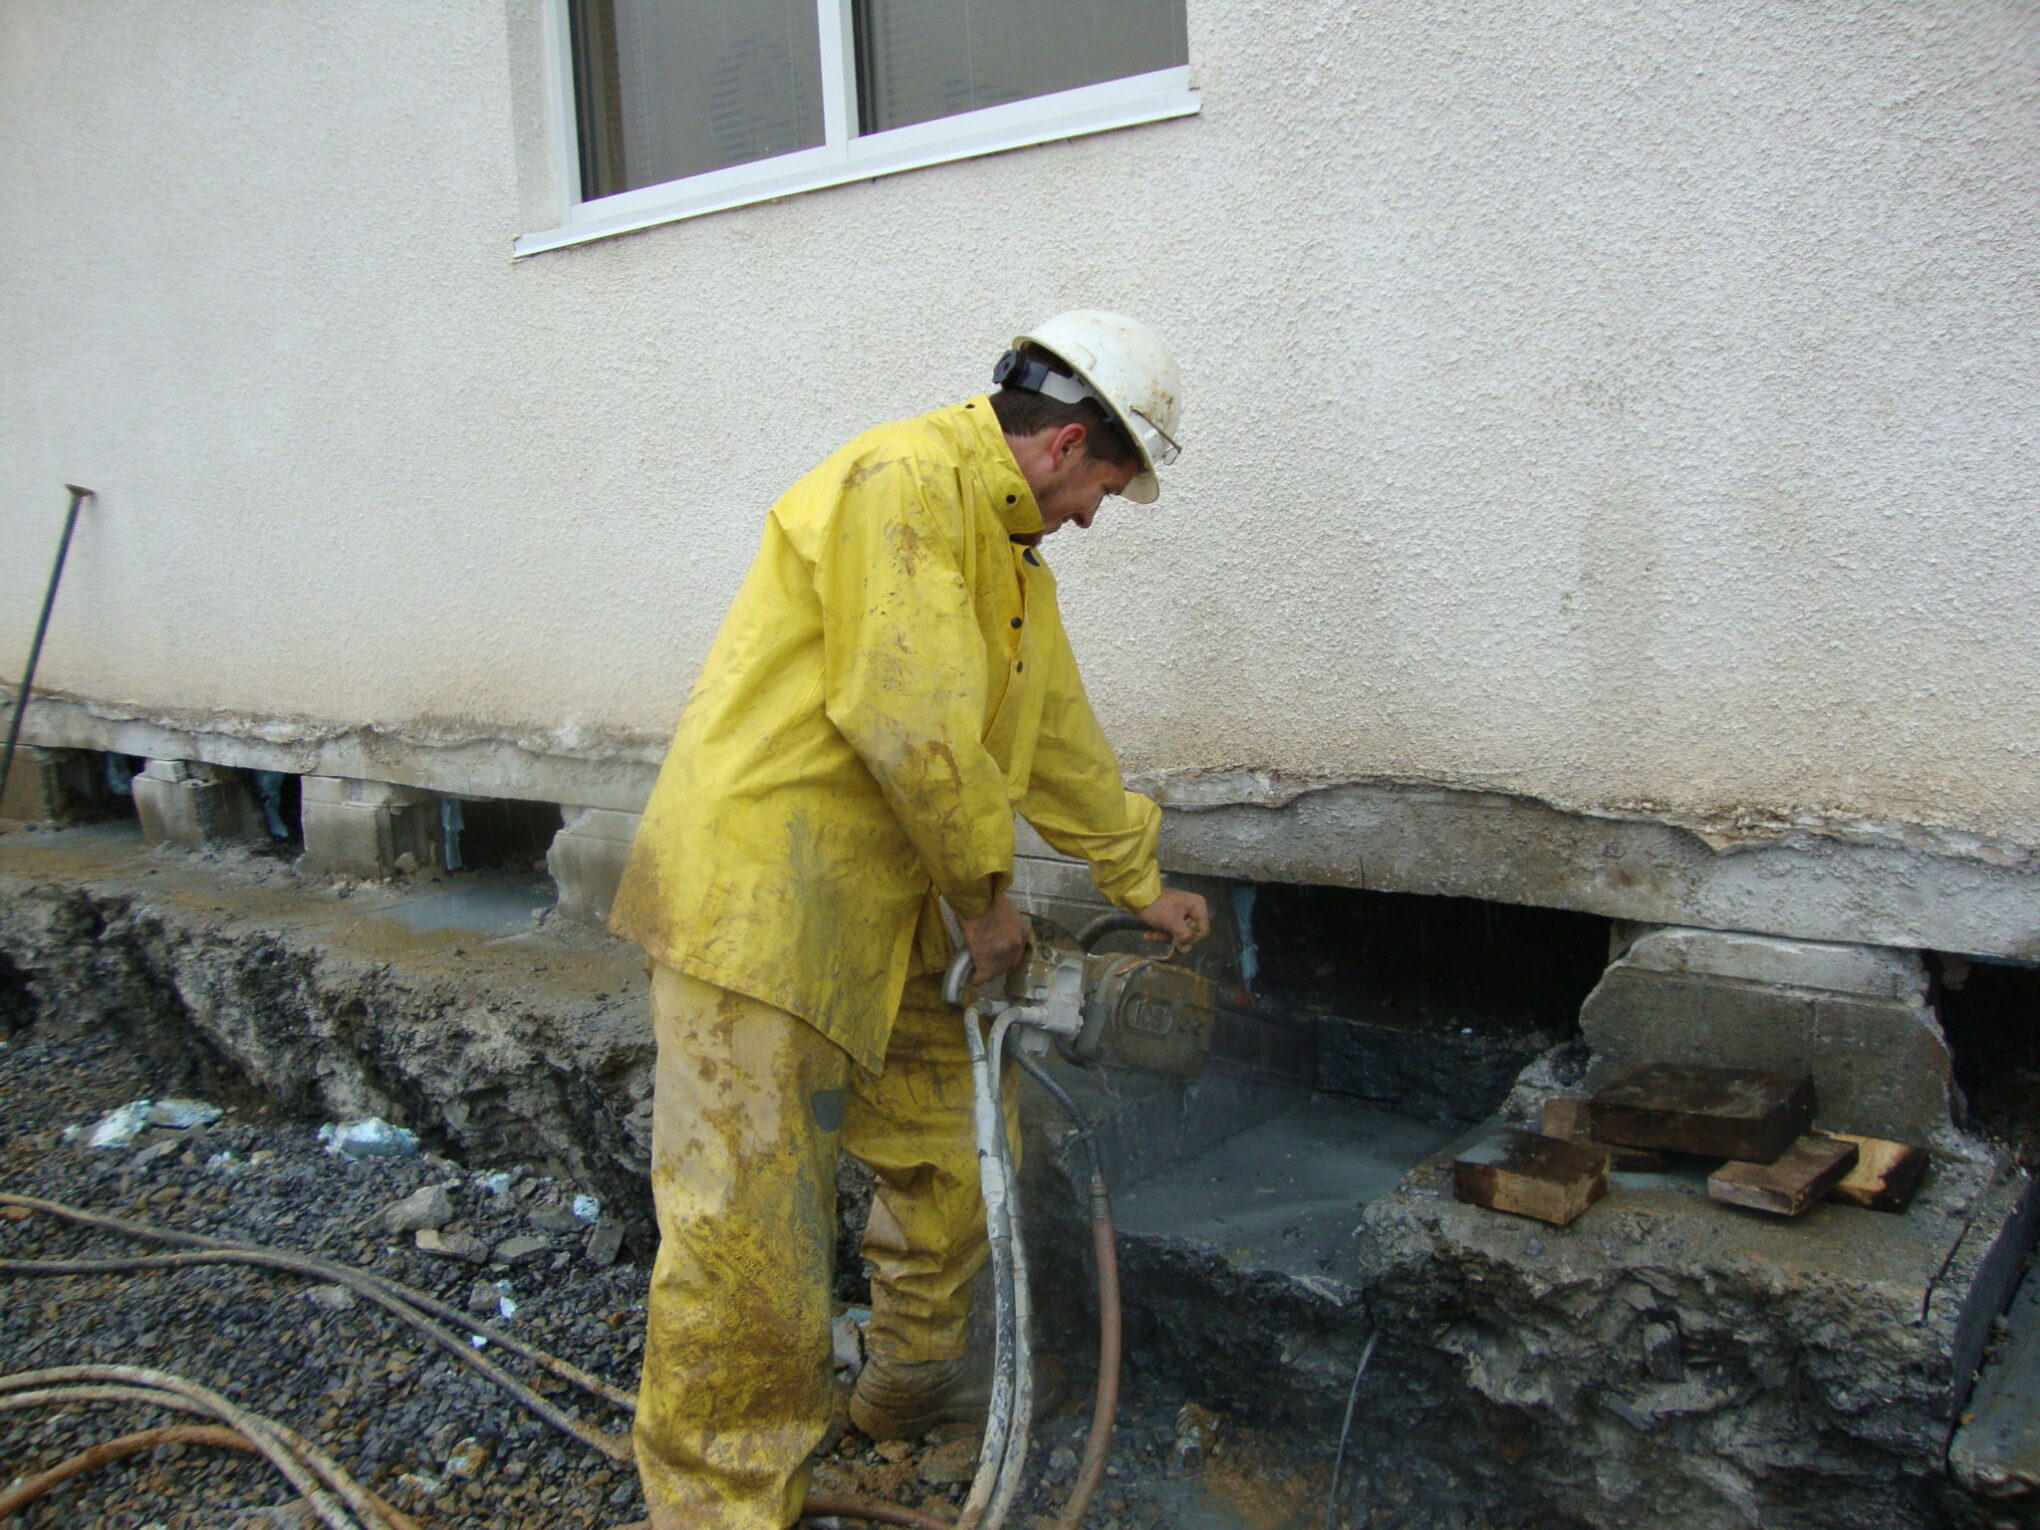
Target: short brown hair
1022 413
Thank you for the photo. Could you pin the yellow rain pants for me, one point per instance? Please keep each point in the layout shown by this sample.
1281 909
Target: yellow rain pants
751 1106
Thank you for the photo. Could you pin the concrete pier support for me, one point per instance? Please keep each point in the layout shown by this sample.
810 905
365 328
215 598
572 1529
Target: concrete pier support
1858 1018
367 828
586 860
43 783
193 805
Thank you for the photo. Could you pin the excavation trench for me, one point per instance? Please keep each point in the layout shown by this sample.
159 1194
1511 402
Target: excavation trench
1663 1359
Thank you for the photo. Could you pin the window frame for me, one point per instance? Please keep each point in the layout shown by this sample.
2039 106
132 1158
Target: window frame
844 154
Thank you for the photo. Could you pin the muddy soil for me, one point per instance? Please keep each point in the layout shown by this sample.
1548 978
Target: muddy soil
412 1423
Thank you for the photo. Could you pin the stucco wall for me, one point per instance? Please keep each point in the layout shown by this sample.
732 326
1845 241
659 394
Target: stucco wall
1629 406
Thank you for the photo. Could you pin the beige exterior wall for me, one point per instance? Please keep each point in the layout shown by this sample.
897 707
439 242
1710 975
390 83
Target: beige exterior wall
1626 407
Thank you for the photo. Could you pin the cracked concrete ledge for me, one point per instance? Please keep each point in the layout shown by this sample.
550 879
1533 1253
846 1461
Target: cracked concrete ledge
1818 877
1668 1360
1201 789
1507 849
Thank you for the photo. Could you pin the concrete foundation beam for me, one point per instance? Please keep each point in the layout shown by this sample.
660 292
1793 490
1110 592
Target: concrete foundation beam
1858 1018
191 805
367 828
586 860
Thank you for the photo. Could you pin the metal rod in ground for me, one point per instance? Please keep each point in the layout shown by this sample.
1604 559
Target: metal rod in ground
78 497
1346 1429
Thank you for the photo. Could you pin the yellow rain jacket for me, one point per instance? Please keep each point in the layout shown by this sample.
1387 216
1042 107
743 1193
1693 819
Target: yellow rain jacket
891 684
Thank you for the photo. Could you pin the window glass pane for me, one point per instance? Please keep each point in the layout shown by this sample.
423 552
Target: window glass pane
921 59
670 88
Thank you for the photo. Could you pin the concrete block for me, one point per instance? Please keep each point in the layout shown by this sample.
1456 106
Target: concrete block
1856 1018
192 805
39 785
360 793
363 828
1872 972
586 860
1717 1369
1056 889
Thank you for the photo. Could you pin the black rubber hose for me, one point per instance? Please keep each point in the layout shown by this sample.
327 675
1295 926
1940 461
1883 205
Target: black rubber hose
341 1274
1105 1255
394 1296
1110 924
400 1301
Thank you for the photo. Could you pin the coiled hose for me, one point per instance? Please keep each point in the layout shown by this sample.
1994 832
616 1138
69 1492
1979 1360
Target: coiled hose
1003 1456
299 1461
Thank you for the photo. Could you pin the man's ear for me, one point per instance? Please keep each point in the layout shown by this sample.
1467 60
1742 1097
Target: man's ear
1068 439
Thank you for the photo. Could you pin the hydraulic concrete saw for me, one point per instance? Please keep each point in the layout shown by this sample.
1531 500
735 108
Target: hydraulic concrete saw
1140 1012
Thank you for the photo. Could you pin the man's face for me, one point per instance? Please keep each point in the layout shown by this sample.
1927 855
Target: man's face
1076 486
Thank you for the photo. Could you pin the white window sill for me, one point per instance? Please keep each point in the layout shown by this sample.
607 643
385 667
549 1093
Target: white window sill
1099 108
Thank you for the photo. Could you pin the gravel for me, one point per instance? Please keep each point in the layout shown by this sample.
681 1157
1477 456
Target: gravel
409 1421
432 1436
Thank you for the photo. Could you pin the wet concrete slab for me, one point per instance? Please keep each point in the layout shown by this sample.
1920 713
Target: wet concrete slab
1284 1195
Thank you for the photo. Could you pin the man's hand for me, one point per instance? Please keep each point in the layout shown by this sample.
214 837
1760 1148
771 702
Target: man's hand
997 939
1183 916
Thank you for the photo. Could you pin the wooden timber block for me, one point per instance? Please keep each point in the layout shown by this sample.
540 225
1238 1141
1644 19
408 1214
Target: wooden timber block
1566 1119
1738 1113
1801 1175
1531 1175
1886 1177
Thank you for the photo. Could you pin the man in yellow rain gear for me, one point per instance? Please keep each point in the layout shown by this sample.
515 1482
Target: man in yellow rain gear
891 685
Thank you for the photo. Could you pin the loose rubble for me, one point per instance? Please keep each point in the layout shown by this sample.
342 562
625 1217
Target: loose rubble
436 1439
373 1138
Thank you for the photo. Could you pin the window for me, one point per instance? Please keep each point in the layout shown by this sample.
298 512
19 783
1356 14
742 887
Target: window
670 108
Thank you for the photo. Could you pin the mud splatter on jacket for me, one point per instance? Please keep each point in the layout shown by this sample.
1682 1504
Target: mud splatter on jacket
891 683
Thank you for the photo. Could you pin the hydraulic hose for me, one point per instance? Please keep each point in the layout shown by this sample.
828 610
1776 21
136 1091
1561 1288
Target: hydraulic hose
1021 1426
617 1448
994 1184
848 1506
303 1467
400 1300
1004 1453
365 1502
1105 1256
339 1274
17 1498
1111 924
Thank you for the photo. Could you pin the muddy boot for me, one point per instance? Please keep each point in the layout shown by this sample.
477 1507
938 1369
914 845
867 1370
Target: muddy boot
904 1399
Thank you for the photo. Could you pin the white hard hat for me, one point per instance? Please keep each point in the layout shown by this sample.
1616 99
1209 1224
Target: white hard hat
1122 364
